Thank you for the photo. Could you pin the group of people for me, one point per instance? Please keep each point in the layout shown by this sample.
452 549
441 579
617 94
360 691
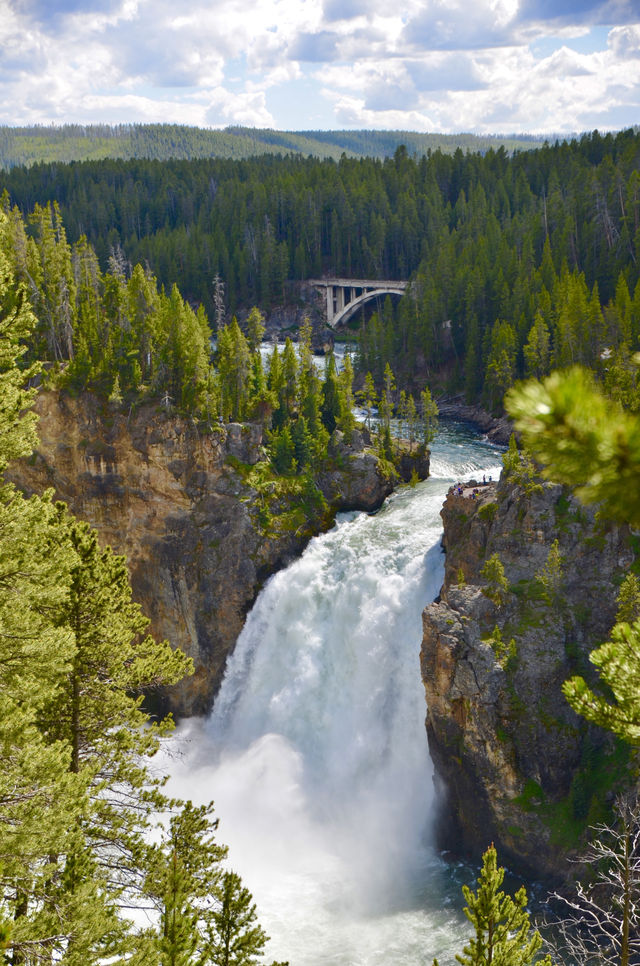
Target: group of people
458 488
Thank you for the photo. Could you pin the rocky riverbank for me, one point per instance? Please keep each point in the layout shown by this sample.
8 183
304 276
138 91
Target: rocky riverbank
202 528
516 765
497 428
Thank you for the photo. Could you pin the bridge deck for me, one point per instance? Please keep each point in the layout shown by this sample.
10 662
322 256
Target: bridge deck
358 282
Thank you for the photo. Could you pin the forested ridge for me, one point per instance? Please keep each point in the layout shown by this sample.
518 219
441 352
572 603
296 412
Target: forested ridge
77 142
518 264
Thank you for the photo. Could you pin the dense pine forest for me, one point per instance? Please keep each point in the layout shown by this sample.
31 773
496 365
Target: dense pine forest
518 264
76 142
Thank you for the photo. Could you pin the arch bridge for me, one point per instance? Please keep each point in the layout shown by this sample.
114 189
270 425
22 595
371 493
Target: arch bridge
344 296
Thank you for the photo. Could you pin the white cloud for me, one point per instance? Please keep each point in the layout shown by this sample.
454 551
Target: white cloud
624 42
429 65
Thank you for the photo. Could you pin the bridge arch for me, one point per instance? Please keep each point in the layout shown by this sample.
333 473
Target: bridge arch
349 310
344 296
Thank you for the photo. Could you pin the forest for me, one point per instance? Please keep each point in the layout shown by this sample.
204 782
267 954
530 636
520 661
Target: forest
78 142
518 264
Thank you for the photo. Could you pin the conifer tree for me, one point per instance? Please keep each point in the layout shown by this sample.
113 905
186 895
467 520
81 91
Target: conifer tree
428 416
368 397
330 395
503 932
255 328
497 584
183 880
346 421
97 708
235 937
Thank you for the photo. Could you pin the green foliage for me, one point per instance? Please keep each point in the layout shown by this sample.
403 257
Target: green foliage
582 439
497 584
503 284
551 575
367 397
619 668
503 932
77 792
234 937
629 600
428 416
520 469
183 881
506 652
488 511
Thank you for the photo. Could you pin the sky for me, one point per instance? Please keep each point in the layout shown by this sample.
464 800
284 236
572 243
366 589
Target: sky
482 66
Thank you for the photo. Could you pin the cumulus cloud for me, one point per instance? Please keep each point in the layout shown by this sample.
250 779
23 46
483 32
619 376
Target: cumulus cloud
446 72
320 46
624 42
426 65
459 25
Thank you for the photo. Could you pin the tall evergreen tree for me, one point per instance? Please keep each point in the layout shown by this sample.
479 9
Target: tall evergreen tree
503 933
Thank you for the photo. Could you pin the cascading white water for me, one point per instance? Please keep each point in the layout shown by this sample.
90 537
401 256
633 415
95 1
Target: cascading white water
316 753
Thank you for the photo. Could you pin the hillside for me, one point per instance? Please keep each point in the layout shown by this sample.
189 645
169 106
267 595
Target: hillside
75 142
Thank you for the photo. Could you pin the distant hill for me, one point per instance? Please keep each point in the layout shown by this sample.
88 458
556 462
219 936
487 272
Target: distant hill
75 142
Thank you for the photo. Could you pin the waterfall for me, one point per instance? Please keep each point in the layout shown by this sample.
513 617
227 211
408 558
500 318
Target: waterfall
315 752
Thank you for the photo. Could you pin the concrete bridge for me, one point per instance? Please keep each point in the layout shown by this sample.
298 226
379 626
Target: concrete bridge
344 296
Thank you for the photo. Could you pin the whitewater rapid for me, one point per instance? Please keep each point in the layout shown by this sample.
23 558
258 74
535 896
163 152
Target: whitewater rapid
316 754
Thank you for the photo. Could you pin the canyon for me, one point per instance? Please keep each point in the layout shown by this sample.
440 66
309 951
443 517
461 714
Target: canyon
200 535
515 764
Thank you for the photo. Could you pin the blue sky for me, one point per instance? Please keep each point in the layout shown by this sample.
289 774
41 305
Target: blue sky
488 66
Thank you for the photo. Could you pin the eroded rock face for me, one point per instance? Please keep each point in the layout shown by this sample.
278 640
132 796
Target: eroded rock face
175 502
506 746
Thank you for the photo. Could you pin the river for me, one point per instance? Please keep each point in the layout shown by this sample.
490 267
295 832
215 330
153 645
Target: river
316 754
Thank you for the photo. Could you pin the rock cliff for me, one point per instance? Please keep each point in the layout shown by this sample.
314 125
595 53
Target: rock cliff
517 766
201 529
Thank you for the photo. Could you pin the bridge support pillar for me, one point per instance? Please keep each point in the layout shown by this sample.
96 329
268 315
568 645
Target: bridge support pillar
330 311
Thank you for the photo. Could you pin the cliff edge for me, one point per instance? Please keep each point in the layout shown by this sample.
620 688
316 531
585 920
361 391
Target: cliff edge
516 765
201 527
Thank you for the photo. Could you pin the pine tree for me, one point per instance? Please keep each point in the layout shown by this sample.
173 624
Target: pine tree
17 424
503 933
551 575
497 584
428 416
96 711
234 937
183 879
368 397
629 599
39 797
330 395
302 443
255 329
282 451
346 421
